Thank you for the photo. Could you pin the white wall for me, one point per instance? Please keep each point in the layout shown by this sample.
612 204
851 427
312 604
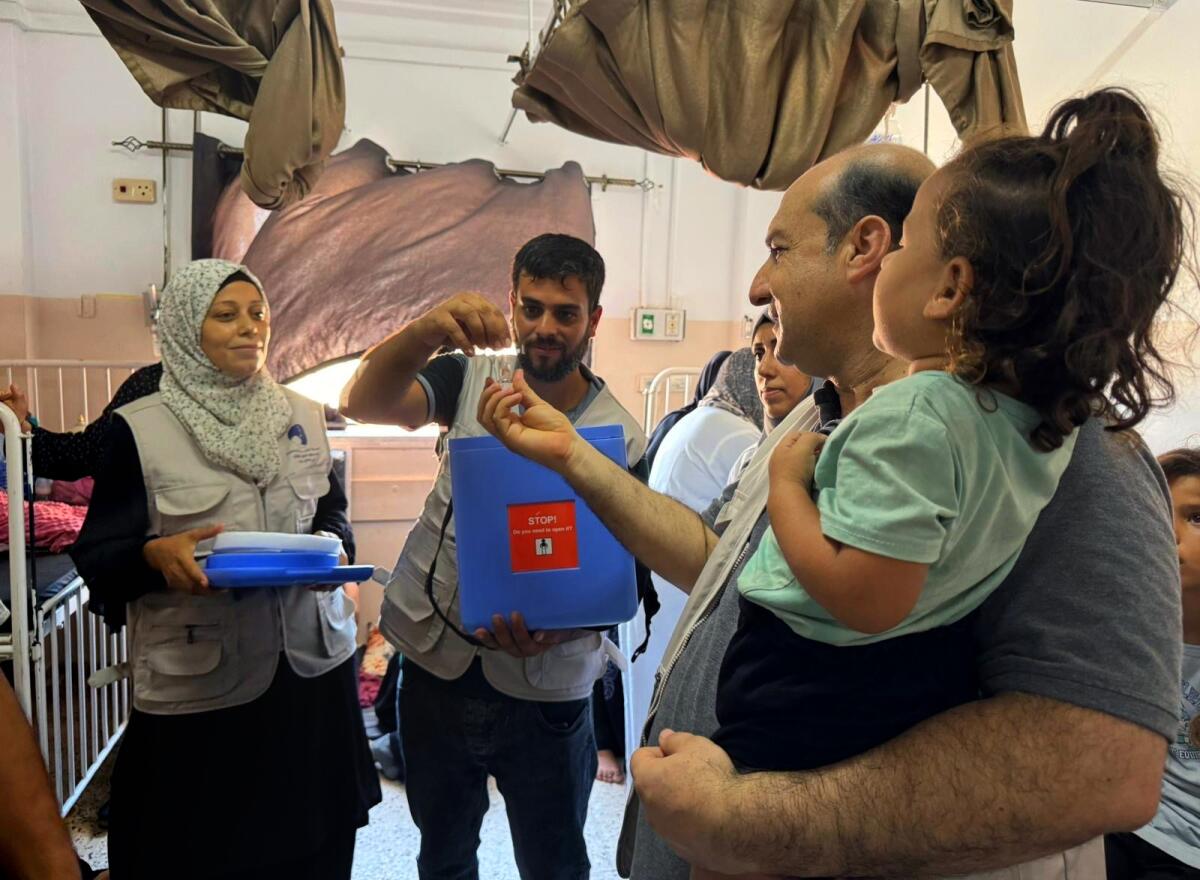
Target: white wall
1179 424
75 97
14 262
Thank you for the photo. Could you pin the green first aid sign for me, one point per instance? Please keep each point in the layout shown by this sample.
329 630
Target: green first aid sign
648 325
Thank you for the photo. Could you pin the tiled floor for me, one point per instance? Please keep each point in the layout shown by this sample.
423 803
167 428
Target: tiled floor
387 848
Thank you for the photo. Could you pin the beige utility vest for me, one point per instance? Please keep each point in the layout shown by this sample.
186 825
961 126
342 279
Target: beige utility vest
196 653
566 671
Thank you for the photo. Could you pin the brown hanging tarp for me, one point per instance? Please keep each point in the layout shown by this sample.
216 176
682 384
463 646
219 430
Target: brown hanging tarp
275 63
234 221
759 90
369 250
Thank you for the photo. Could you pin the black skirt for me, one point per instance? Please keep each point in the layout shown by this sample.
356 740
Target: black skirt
232 790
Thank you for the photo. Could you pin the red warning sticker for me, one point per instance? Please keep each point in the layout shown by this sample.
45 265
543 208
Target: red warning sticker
542 536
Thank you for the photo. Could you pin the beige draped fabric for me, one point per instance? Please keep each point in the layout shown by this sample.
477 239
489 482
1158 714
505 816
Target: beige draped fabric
236 221
967 57
275 63
371 249
759 90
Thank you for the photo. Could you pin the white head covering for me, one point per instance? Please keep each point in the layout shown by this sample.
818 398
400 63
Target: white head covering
734 390
236 422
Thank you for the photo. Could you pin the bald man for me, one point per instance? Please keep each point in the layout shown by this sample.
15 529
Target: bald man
1076 677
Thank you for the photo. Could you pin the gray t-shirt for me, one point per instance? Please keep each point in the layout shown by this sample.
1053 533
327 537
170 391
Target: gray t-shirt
1090 614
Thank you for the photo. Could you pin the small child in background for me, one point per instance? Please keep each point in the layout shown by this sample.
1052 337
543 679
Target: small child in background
1169 847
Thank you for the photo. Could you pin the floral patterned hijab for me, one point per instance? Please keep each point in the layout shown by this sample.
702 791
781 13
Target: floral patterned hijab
236 422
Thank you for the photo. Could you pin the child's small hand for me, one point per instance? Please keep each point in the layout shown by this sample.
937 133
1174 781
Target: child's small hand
795 458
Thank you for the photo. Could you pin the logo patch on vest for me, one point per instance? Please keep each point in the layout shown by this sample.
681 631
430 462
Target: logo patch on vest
300 454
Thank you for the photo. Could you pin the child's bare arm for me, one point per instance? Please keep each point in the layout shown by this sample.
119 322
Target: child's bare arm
865 591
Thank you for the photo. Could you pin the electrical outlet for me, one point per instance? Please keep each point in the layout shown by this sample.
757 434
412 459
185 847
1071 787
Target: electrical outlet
657 324
143 192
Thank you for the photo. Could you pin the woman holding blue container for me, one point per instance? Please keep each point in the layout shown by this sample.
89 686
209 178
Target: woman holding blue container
245 753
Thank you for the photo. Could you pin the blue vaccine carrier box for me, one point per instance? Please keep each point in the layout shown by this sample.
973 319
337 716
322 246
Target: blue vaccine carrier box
526 542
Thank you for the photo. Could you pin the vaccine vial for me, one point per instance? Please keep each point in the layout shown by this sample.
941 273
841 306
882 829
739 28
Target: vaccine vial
506 366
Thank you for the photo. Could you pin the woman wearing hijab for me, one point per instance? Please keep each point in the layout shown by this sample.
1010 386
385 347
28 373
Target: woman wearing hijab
245 754
780 386
695 457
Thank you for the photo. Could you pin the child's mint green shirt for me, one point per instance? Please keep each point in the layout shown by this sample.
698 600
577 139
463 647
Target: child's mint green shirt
928 470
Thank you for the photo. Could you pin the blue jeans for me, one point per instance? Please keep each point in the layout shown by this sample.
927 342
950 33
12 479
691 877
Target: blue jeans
543 756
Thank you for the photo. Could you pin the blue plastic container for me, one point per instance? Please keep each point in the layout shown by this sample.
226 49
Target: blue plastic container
526 542
280 569
271 559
